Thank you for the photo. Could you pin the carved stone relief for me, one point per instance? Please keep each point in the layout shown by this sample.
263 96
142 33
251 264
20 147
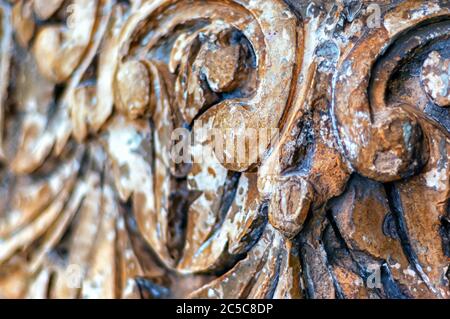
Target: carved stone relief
345 194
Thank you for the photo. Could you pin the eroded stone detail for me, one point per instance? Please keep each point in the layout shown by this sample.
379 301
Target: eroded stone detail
350 199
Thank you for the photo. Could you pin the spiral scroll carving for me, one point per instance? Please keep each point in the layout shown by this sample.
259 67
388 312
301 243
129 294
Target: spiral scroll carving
345 196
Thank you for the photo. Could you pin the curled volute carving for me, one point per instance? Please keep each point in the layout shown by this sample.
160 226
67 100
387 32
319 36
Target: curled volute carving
224 149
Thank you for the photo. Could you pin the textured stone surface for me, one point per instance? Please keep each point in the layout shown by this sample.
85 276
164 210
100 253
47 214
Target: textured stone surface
345 195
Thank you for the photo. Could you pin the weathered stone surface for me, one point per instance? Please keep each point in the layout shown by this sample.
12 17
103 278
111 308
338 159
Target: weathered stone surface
317 164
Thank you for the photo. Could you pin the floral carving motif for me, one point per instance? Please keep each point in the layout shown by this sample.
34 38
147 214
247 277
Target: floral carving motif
354 184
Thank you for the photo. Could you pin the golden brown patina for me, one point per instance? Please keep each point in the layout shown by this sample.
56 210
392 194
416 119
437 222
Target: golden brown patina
346 194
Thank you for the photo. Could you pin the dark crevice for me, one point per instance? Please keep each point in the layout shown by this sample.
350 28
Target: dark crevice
334 253
144 253
150 290
50 285
391 288
311 246
257 228
390 226
229 193
360 259
251 283
275 279
396 207
355 266
360 270
445 235
229 259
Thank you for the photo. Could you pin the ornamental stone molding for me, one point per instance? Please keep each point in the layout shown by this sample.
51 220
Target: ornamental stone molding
224 149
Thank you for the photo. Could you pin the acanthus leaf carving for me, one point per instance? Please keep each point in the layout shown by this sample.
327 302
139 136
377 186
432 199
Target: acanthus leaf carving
342 171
